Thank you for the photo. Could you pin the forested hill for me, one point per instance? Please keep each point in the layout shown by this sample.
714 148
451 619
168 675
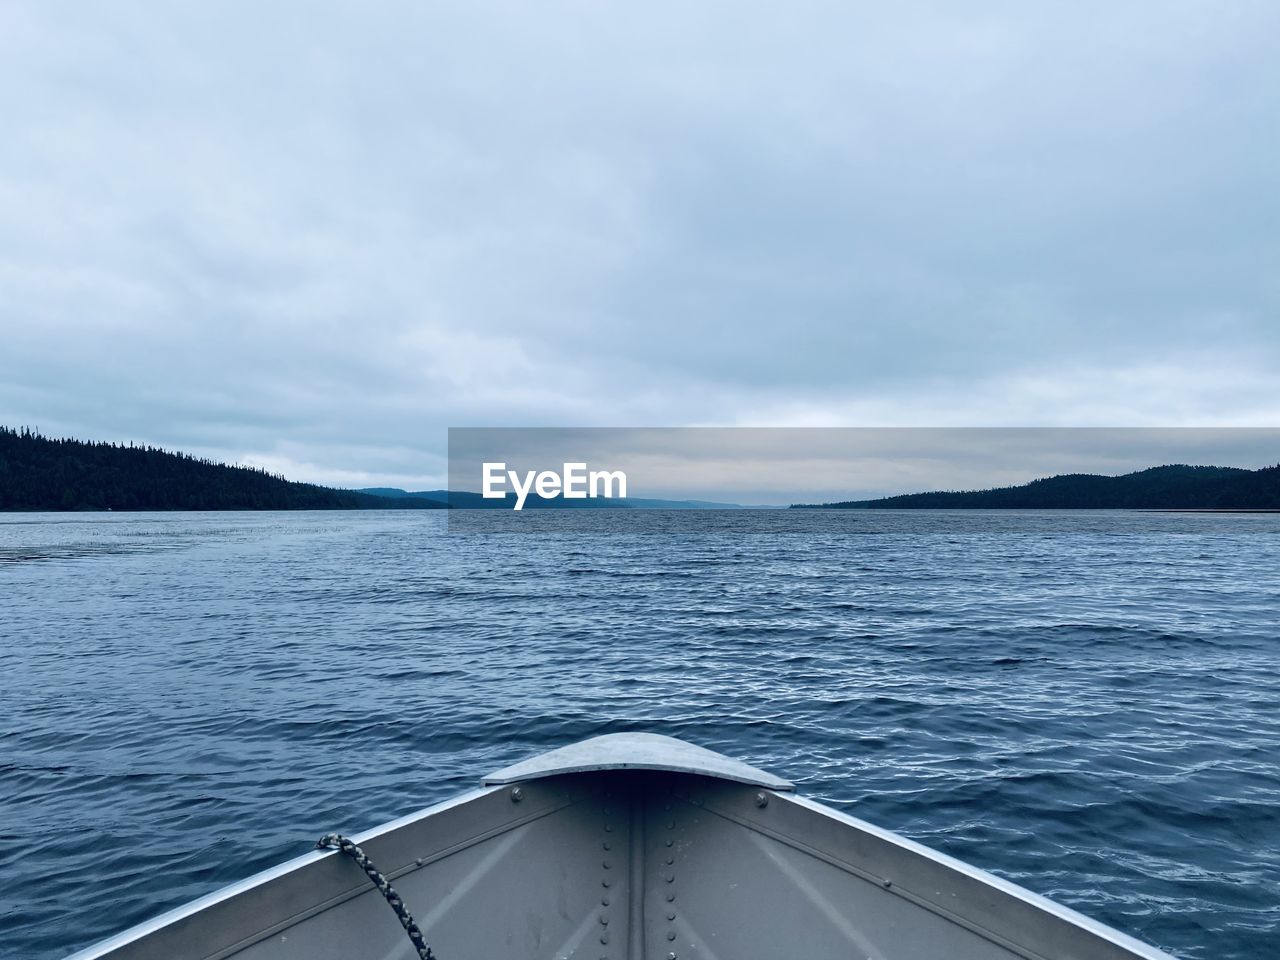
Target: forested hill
1176 487
37 473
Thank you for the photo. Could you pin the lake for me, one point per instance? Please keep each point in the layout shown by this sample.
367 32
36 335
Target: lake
1087 704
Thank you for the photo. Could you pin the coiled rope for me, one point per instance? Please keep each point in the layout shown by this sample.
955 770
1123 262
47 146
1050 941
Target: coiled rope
335 841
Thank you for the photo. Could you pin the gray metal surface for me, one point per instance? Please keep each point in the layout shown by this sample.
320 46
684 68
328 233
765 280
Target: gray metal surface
851 889
628 863
636 751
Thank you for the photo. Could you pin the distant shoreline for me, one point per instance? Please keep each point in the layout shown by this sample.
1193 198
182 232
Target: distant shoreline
39 474
1171 488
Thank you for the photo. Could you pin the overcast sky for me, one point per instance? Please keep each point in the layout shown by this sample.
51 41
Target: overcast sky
315 237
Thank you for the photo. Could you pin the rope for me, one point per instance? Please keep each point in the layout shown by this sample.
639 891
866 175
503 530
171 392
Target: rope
335 841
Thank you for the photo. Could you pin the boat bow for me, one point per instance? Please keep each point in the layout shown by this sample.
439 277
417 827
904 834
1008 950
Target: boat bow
629 847
636 751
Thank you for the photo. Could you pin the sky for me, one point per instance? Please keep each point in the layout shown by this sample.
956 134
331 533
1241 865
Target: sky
313 236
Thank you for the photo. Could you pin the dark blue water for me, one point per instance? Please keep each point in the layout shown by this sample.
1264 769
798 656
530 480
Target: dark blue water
1088 705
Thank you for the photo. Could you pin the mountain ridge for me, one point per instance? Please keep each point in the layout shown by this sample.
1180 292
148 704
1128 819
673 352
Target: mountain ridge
1177 486
468 500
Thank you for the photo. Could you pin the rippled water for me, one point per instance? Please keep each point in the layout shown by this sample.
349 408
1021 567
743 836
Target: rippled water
1087 705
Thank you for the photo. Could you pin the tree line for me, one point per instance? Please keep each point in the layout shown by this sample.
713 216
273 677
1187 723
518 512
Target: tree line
1172 487
43 473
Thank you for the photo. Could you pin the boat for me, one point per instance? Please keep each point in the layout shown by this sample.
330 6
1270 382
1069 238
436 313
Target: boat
629 846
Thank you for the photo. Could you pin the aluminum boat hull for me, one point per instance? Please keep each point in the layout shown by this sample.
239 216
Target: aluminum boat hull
627 847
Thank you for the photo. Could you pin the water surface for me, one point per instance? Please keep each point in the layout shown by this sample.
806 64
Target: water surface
1086 705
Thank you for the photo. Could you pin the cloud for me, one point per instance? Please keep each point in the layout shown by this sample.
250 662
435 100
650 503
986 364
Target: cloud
315 235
